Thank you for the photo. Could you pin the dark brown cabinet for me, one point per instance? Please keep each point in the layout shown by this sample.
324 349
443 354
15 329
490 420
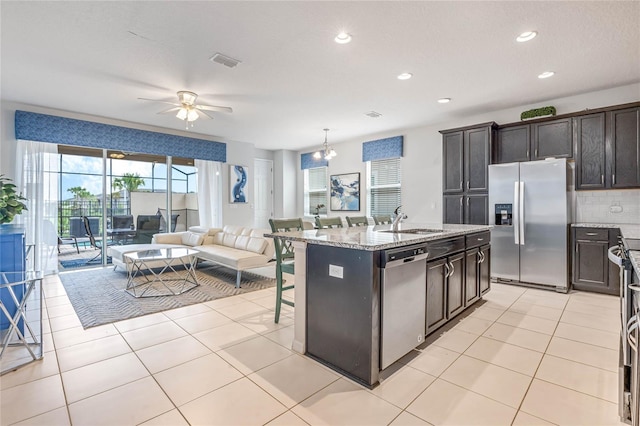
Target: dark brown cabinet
535 141
436 303
624 145
472 288
469 209
592 270
466 157
484 269
589 135
455 285
513 144
607 148
551 139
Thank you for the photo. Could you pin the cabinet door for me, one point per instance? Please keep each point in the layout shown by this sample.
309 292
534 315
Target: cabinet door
436 303
476 159
455 285
624 136
453 210
484 273
512 144
552 139
591 268
476 209
472 289
589 136
452 162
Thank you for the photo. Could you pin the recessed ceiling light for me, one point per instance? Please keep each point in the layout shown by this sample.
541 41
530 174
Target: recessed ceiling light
444 100
546 74
526 36
343 38
405 76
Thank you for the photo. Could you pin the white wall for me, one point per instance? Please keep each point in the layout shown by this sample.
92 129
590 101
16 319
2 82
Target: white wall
422 160
286 165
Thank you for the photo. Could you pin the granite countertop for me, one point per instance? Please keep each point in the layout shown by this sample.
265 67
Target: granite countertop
371 238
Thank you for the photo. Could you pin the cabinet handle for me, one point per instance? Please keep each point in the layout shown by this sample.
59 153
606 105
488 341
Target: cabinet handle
467 185
467 201
613 178
446 273
592 234
602 179
461 185
480 239
453 268
536 152
527 153
460 201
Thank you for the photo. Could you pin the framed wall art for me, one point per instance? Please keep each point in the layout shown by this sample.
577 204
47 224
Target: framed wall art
238 184
345 192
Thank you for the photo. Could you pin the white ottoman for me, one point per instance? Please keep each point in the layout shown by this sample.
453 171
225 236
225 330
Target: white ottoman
117 252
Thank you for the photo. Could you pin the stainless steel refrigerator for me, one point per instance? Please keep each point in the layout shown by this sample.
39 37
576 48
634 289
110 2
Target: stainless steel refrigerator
529 206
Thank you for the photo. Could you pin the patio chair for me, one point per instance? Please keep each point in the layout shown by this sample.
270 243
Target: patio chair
382 219
357 221
328 222
97 244
284 258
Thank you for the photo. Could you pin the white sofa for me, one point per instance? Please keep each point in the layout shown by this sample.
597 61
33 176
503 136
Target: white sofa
235 247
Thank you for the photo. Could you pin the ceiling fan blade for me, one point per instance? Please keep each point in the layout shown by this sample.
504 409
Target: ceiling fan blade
203 114
158 100
172 109
214 108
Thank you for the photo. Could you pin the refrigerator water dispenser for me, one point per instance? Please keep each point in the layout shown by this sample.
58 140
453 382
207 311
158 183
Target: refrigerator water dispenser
504 214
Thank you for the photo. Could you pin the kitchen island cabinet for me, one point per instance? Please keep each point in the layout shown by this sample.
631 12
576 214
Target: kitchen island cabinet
339 281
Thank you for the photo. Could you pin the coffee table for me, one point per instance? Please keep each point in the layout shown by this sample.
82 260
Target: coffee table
145 278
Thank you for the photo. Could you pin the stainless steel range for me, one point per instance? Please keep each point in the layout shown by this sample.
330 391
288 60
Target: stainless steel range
629 374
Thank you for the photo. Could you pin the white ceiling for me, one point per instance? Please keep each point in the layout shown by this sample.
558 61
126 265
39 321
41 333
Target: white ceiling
294 80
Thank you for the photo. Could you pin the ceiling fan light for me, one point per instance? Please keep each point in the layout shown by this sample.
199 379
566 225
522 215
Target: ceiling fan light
192 115
182 114
186 97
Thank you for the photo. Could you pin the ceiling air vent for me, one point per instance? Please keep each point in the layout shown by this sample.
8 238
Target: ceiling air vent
373 114
224 60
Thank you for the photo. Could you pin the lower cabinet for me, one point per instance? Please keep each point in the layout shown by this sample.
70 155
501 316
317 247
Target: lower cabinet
592 270
456 279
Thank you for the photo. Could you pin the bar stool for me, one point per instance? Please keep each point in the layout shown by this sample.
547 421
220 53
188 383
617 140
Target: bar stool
284 258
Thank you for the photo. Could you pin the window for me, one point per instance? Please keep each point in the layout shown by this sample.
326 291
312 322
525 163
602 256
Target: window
315 191
385 179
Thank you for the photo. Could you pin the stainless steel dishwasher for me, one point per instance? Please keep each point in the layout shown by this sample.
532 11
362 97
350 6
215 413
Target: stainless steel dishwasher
403 296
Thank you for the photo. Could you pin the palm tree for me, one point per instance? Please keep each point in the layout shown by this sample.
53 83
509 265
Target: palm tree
128 181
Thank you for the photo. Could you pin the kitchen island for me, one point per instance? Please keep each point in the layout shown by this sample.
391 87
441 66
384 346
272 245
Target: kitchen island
363 299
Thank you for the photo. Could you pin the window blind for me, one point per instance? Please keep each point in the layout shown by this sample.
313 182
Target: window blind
385 186
315 190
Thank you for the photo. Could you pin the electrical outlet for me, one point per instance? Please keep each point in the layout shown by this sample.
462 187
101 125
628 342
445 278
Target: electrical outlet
335 271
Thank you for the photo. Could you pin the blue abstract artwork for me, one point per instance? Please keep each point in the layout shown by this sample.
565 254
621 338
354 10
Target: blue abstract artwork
345 192
238 184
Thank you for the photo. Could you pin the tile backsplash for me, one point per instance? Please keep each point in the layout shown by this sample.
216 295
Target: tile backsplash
614 206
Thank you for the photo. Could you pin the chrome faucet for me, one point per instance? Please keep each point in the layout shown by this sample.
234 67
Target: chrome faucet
398 218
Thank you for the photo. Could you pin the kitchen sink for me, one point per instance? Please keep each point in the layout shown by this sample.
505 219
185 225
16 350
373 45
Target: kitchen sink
413 231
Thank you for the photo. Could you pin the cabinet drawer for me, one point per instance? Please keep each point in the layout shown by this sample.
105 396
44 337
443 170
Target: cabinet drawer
475 240
438 249
592 234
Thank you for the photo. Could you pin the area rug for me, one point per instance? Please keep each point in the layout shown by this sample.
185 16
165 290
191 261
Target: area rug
79 263
98 295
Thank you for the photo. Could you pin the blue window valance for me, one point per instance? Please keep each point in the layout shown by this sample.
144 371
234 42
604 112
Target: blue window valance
68 131
308 162
382 149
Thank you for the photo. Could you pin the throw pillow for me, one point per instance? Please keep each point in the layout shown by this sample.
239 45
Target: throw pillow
192 239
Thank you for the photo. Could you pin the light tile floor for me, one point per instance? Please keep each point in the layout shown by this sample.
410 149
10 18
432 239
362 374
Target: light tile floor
521 356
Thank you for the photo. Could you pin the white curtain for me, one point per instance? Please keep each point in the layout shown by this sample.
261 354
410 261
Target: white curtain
209 179
37 178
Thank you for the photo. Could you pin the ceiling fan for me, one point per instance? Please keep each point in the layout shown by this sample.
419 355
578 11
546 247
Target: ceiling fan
186 108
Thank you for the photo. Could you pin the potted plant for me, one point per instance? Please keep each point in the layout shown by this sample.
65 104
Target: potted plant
11 203
547 111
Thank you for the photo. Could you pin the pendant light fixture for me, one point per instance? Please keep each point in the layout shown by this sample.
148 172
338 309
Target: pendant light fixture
326 152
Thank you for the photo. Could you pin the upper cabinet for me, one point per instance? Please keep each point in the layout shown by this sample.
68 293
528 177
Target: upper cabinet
535 141
607 146
624 144
551 139
466 154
